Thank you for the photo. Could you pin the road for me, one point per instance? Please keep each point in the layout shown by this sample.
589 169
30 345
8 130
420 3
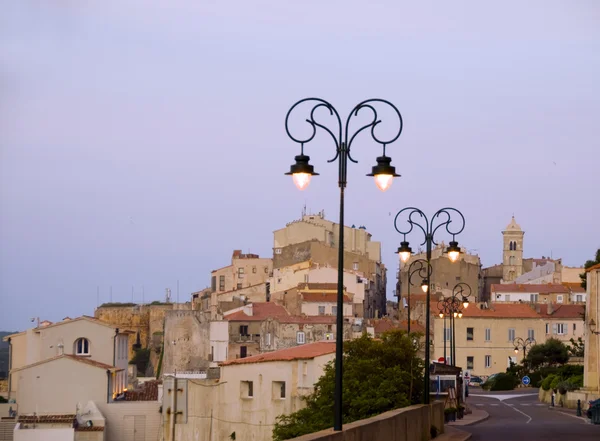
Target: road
517 415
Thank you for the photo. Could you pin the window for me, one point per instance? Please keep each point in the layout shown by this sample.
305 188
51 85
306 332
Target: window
470 362
244 330
514 246
507 296
254 269
243 351
213 283
241 273
266 269
278 390
221 283
82 346
533 298
277 250
305 278
511 334
574 327
321 310
559 329
579 298
531 334
469 334
334 310
488 334
547 328
246 389
239 286
305 368
300 337
488 361
355 266
268 339
447 334
559 299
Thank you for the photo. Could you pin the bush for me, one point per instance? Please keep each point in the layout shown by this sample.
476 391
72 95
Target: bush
569 370
576 381
565 386
555 382
547 382
504 382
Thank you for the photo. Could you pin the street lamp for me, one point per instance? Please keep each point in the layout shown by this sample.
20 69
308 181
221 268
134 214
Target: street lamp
302 172
519 343
451 307
441 218
422 268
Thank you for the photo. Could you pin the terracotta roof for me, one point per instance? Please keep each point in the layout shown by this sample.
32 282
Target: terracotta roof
302 352
592 268
148 391
496 310
563 311
318 286
260 311
574 286
84 360
546 288
312 319
328 297
47 419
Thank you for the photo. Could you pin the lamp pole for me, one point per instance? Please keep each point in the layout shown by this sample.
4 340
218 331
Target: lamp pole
441 218
423 269
523 344
302 172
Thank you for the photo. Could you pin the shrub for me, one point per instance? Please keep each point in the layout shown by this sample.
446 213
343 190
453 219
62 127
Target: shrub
565 386
569 370
504 382
576 381
555 382
547 382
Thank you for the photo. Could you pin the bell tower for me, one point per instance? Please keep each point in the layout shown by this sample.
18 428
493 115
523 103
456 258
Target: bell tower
512 254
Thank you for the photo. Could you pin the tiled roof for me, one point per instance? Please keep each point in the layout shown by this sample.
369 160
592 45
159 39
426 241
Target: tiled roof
89 429
301 319
592 268
496 310
328 297
574 287
546 288
47 419
563 311
318 286
148 391
302 352
260 311
84 360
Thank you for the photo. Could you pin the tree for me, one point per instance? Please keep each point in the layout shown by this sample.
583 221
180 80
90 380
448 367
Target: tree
551 353
577 348
589 264
379 375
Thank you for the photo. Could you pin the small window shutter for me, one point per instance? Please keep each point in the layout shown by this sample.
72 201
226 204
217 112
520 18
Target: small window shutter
554 328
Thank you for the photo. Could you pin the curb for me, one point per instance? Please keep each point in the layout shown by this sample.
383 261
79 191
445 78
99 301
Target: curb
453 434
480 420
585 419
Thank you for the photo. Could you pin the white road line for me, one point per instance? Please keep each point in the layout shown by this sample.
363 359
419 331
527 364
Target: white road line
508 404
479 404
525 404
494 404
521 412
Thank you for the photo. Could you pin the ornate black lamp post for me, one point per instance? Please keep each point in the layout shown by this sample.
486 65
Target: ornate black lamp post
423 270
440 219
519 343
302 171
452 307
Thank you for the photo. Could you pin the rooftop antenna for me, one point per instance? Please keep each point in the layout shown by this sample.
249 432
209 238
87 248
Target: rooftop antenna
168 298
304 209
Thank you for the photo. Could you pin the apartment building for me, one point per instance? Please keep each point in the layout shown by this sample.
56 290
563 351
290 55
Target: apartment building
538 293
245 270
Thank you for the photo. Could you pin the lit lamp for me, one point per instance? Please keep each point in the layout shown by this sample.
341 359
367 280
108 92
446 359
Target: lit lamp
384 173
465 303
441 315
516 350
404 251
302 171
425 285
455 314
453 251
460 314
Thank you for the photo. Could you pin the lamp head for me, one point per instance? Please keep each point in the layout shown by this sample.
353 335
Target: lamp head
460 314
404 251
453 251
516 350
465 303
441 315
425 285
302 171
384 173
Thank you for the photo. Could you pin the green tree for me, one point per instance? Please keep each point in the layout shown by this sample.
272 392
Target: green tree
589 264
551 353
379 375
576 348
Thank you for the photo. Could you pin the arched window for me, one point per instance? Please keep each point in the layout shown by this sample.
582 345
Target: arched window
515 246
82 346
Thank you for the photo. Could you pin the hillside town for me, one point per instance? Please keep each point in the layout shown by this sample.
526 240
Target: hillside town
226 363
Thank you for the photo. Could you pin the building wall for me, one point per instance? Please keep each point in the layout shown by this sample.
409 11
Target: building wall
190 331
121 418
312 308
285 335
512 260
592 341
57 386
41 434
571 274
219 340
242 273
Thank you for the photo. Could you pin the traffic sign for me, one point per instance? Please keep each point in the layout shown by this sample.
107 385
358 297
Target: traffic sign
526 380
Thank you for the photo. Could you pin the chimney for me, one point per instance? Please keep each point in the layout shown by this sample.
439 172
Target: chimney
550 308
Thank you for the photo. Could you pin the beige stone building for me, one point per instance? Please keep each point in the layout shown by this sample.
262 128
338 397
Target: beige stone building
250 394
245 270
83 337
591 379
540 293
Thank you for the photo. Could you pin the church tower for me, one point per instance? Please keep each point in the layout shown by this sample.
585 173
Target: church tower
512 255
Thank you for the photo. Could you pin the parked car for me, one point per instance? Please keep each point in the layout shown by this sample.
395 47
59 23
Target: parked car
475 381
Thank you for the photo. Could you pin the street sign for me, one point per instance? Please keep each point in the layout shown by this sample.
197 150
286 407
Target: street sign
526 380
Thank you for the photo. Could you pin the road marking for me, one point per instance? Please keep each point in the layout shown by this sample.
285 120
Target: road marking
494 404
525 404
521 412
479 404
508 404
503 397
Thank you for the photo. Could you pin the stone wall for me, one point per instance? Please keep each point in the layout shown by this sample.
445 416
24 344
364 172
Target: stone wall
187 341
411 423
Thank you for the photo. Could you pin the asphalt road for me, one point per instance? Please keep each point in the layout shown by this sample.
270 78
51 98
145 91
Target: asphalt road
517 415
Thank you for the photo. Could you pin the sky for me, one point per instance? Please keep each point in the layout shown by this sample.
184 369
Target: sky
142 141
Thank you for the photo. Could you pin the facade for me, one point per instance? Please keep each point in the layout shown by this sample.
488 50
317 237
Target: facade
83 337
591 379
542 293
245 270
250 394
512 255
321 299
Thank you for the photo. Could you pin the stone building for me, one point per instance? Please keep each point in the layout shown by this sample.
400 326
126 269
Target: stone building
591 380
244 271
539 293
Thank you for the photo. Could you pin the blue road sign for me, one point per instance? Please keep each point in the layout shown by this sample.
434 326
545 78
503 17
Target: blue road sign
526 380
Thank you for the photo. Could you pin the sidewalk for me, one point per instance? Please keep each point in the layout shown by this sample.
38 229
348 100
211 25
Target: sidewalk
476 416
453 434
571 412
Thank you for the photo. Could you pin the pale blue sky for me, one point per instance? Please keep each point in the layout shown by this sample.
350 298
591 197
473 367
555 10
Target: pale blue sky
142 141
